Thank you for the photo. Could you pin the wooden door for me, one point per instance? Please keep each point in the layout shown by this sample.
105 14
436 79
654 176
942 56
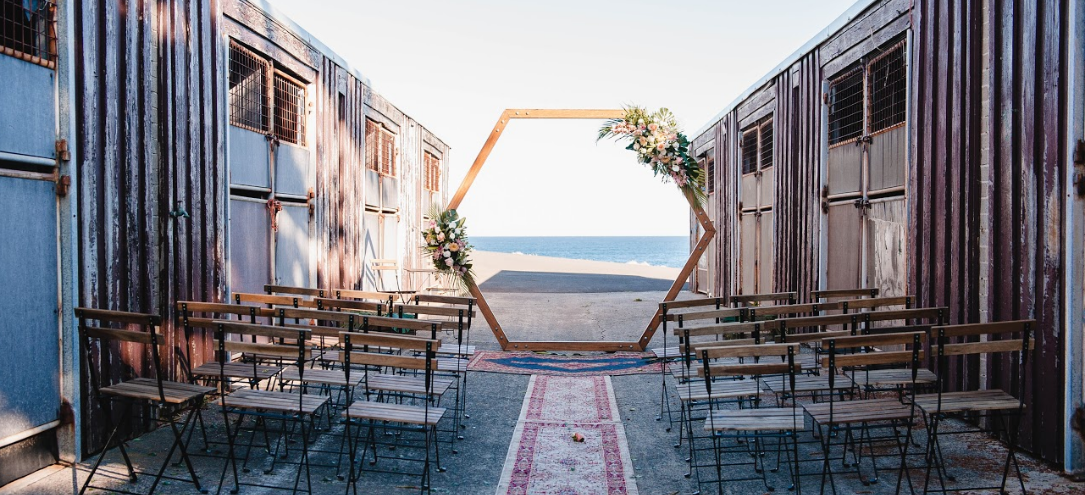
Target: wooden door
757 191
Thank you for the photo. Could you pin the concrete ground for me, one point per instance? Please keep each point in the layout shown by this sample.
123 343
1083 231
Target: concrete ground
494 404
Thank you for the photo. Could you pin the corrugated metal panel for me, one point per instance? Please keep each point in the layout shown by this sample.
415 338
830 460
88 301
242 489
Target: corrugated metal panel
1027 126
28 310
29 126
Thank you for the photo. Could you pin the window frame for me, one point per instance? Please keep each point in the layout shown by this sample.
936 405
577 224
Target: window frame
43 29
380 150
272 73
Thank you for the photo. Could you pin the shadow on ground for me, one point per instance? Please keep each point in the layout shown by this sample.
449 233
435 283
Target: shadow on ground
550 282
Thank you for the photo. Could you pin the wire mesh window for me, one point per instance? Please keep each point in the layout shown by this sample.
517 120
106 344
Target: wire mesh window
28 30
887 89
766 143
709 165
431 172
749 150
289 110
379 149
248 89
846 106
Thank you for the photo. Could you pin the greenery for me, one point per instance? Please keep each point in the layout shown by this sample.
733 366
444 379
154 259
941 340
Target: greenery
659 144
447 246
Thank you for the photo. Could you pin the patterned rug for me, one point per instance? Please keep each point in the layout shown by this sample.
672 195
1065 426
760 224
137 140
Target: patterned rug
531 363
543 458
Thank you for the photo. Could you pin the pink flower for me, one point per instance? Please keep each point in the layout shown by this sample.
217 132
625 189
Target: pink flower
653 126
441 237
448 261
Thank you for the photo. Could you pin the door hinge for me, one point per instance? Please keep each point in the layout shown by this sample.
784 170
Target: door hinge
1079 152
62 150
309 200
273 209
64 185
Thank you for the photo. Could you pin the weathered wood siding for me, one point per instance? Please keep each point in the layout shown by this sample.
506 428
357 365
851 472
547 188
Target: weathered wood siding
149 135
1026 54
798 177
1027 129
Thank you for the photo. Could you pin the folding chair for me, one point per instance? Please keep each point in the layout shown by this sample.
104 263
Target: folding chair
751 427
843 419
163 395
409 413
297 408
195 315
939 406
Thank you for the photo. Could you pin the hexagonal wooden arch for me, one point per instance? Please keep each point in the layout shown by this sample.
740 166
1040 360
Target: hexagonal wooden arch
540 345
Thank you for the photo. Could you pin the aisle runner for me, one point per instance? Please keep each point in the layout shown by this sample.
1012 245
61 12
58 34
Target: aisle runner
544 459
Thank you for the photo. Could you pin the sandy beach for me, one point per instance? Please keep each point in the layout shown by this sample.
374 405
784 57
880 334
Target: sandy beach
613 301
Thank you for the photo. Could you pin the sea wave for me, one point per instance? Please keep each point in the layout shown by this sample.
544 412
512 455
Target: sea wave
638 263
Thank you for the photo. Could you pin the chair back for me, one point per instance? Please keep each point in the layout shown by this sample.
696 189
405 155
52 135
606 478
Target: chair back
105 326
864 351
328 304
752 364
293 301
773 297
371 350
400 325
272 289
1003 337
818 295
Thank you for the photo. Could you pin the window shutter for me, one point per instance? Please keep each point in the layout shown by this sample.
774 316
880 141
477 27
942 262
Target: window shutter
371 145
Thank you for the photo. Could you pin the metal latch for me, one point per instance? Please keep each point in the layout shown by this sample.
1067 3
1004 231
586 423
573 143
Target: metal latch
62 150
64 185
273 209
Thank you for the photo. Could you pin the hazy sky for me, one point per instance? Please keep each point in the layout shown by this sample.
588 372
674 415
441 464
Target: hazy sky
456 65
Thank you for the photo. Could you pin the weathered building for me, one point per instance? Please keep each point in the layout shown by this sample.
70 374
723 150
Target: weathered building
160 151
929 148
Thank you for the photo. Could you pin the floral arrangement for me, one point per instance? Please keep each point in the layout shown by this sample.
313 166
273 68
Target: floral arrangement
658 143
446 243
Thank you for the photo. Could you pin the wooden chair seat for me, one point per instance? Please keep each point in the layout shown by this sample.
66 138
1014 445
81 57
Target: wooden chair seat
458 350
237 370
398 413
666 352
147 389
452 365
858 411
806 384
323 377
876 378
266 400
722 389
765 419
407 384
975 400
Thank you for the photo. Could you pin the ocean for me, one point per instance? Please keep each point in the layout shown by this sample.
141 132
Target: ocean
669 251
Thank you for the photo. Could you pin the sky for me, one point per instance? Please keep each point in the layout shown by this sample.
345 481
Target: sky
454 66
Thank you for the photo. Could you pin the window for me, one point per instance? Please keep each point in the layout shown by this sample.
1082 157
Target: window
887 89
380 149
28 30
757 146
749 150
248 90
846 106
289 110
709 164
431 173
252 104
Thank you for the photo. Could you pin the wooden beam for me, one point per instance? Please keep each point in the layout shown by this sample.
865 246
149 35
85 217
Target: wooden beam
573 345
488 314
483 154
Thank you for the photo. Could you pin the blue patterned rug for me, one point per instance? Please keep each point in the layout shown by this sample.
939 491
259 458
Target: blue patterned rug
532 363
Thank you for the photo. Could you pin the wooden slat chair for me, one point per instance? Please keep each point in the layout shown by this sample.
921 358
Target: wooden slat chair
465 350
851 417
326 340
692 313
273 301
456 356
668 311
272 289
874 379
818 295
297 408
325 327
1013 339
409 413
751 427
365 295
380 266
114 327
745 300
192 315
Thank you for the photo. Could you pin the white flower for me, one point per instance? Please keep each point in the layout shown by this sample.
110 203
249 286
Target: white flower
448 262
446 253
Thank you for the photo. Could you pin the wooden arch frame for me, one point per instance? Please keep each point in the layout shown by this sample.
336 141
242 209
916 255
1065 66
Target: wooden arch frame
538 345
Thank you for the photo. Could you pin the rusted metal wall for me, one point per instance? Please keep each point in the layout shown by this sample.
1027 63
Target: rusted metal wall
798 177
1027 132
149 135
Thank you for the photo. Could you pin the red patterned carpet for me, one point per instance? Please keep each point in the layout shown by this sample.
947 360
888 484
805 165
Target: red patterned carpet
543 457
